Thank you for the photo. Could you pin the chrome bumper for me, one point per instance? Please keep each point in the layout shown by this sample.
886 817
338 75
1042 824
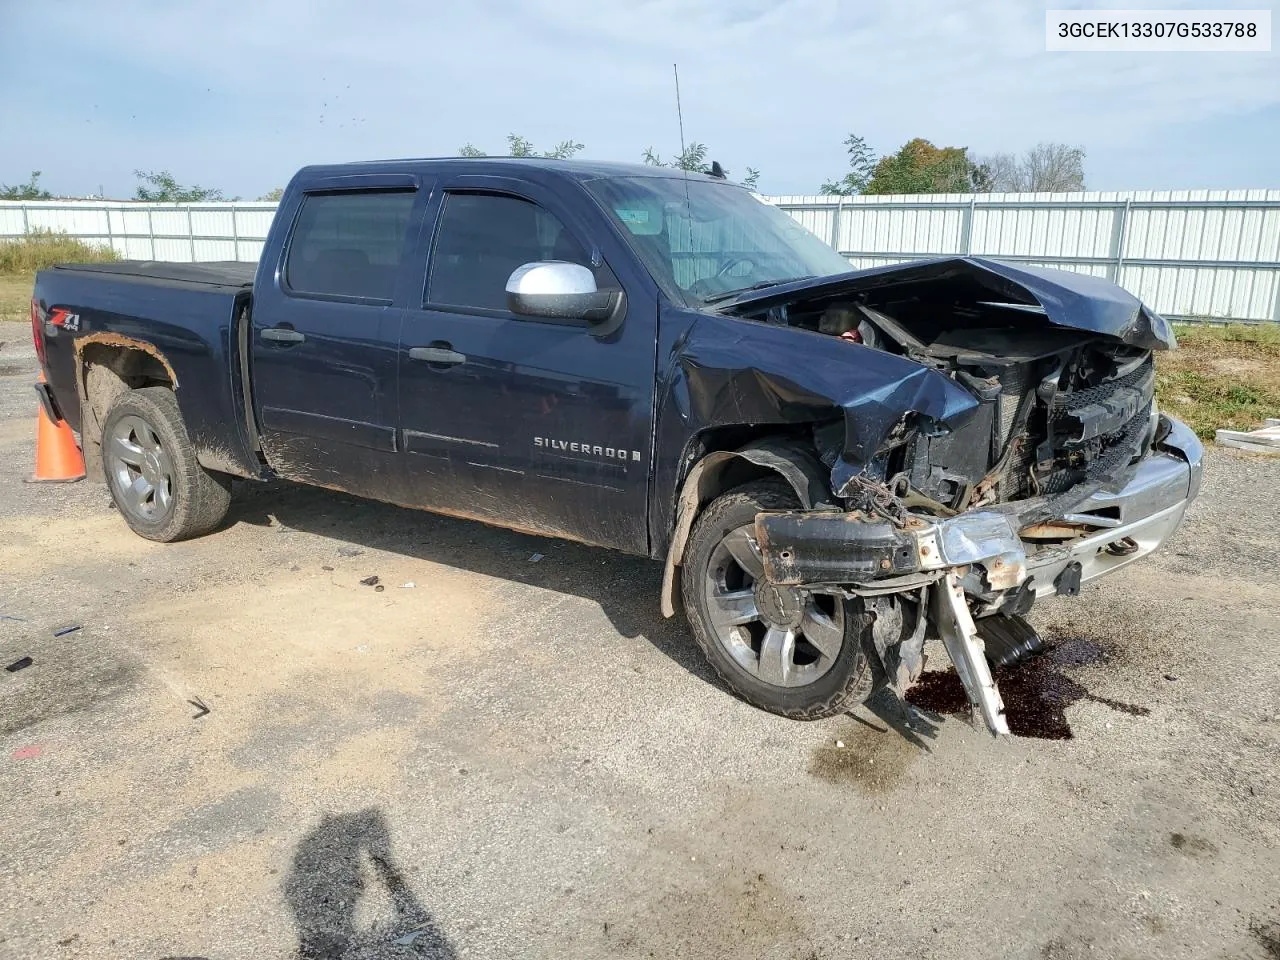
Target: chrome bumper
1148 508
983 547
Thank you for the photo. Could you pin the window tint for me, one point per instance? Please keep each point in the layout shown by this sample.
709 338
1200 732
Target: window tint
483 238
349 244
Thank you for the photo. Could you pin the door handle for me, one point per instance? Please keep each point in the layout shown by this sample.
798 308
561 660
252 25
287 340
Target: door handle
282 335
437 355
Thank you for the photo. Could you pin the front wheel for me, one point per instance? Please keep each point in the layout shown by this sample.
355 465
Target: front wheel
794 652
156 481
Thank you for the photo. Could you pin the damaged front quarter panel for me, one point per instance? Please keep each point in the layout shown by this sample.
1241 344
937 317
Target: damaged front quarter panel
730 371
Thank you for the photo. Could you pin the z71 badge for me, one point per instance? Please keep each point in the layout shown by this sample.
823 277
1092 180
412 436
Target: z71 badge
64 319
590 449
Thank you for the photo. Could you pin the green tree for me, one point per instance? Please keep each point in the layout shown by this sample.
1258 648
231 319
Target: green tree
25 191
161 187
518 146
694 159
564 150
862 162
273 195
920 167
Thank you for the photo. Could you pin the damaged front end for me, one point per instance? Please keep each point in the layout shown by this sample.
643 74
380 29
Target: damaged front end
1059 470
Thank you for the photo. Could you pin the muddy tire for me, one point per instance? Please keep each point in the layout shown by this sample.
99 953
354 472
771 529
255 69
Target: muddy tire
151 469
798 654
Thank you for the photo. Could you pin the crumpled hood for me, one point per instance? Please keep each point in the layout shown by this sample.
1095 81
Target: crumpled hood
1075 301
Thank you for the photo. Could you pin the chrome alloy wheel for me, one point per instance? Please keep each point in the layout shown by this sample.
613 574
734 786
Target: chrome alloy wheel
785 636
140 468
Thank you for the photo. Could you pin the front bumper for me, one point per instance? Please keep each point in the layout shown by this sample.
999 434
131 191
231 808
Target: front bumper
836 548
1148 509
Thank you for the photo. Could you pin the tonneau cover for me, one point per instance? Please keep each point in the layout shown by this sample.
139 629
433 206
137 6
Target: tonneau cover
226 273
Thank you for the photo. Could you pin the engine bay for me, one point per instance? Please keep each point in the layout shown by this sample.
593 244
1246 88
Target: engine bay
1057 407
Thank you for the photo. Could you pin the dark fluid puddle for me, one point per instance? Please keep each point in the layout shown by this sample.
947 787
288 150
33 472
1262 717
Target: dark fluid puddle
1036 692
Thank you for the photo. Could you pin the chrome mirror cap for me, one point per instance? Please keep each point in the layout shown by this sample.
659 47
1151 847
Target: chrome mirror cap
559 290
551 278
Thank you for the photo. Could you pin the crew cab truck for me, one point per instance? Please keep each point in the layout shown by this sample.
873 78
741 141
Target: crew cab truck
833 465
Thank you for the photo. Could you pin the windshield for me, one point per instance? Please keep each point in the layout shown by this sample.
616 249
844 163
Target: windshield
705 242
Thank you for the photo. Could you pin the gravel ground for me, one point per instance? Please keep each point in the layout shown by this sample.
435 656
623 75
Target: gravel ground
243 752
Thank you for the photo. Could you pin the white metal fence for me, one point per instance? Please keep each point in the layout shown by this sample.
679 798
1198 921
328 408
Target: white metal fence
149 231
1209 254
1193 254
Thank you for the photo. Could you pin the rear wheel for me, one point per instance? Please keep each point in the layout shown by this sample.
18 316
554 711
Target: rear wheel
151 469
795 652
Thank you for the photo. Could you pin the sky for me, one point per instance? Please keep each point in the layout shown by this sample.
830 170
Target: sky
237 95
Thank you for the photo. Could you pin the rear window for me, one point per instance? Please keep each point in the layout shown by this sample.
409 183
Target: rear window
349 244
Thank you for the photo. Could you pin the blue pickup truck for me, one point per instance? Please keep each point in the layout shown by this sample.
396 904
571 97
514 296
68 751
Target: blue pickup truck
834 465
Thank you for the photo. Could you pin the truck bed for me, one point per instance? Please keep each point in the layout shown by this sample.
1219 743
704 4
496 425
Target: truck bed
187 315
226 273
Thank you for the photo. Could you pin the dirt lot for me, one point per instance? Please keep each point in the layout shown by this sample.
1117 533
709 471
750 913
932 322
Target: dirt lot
243 752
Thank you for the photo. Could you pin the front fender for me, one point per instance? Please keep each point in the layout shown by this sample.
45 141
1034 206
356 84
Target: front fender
790 461
730 371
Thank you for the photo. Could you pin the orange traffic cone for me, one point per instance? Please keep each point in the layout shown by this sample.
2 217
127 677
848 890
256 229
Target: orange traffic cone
58 459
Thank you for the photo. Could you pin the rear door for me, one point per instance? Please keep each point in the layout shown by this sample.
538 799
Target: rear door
326 333
537 425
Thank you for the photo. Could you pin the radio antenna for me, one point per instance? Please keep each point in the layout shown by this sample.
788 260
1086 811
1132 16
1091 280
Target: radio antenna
675 69
684 171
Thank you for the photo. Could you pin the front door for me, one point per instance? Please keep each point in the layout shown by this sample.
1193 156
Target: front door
538 425
325 340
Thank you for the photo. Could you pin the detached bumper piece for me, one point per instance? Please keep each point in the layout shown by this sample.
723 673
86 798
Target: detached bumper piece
803 549
832 547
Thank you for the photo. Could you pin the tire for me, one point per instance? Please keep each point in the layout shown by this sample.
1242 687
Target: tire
831 682
145 446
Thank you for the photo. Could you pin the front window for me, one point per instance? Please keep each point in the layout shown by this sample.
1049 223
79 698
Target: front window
704 242
483 237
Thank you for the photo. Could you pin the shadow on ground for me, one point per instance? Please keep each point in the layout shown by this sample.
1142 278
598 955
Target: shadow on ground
342 862
626 588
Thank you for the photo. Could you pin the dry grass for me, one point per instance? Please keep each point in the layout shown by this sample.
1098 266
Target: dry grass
1221 377
43 248
15 297
21 258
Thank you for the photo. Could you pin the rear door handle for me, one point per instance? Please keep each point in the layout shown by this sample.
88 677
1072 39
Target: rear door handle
437 355
282 335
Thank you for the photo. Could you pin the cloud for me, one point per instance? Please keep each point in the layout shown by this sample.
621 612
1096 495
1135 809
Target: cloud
241 96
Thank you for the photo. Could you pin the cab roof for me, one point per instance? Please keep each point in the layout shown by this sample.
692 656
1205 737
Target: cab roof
580 170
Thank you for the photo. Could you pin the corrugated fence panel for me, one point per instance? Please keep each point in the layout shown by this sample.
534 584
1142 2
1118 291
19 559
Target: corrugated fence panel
1191 253
1195 254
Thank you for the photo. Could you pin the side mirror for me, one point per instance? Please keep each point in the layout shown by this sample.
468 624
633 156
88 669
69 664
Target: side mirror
559 290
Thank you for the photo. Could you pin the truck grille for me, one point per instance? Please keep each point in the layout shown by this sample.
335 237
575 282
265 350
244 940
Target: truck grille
1097 430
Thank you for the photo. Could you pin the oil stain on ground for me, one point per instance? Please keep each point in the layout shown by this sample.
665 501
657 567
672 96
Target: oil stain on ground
1191 845
1036 692
63 678
869 759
